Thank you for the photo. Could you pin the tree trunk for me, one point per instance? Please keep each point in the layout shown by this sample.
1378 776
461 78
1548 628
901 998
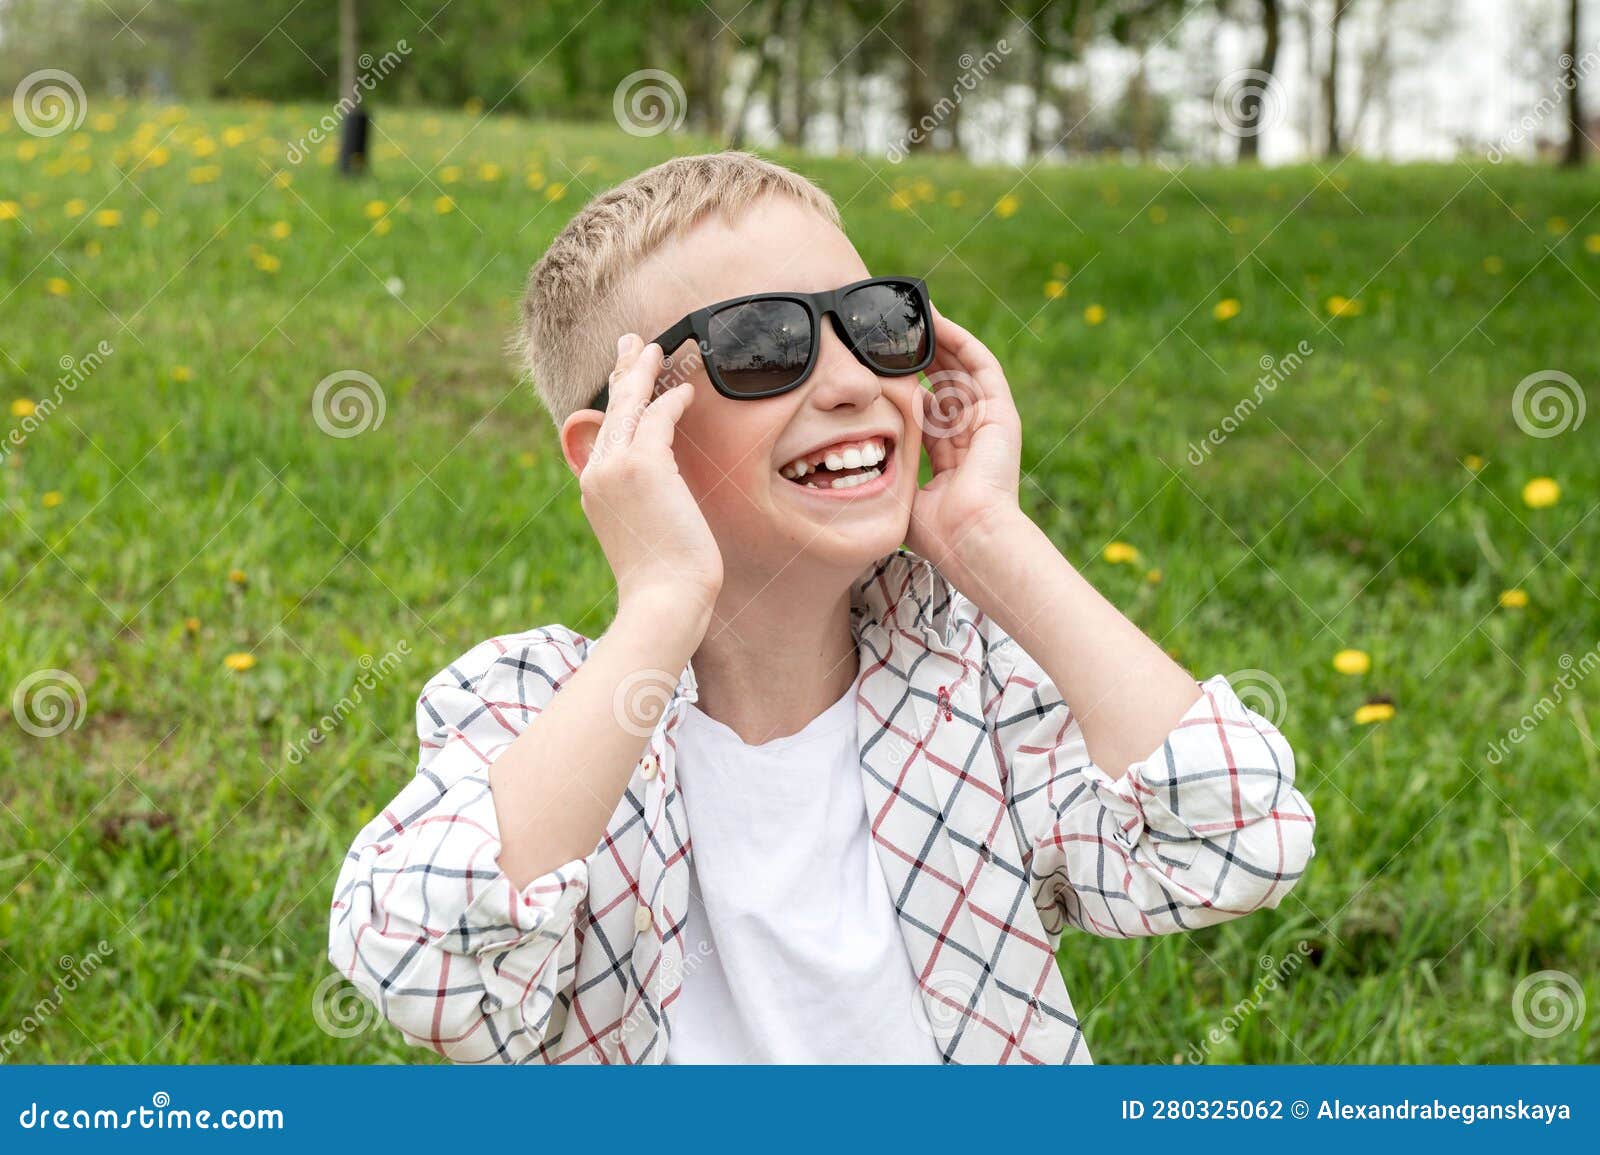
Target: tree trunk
917 41
1253 105
1330 88
1573 155
738 130
1039 76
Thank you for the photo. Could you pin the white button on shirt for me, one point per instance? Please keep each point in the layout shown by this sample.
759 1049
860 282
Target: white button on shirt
792 950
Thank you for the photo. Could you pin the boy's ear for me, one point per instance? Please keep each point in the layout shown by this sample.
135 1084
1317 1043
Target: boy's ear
578 434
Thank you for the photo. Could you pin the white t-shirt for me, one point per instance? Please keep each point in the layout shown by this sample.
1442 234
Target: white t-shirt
792 951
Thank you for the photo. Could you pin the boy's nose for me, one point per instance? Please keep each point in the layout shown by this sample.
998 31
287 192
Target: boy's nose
839 378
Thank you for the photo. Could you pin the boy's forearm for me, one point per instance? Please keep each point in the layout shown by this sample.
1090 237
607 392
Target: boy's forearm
1125 692
555 787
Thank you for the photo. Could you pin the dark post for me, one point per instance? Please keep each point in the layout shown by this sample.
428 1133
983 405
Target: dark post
353 131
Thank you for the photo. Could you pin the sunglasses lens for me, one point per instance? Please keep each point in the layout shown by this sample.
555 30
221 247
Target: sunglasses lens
888 324
761 346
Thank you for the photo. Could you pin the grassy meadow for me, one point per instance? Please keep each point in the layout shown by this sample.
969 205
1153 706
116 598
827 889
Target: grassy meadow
1272 413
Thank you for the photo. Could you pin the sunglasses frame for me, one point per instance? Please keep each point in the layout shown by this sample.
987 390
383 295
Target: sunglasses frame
817 305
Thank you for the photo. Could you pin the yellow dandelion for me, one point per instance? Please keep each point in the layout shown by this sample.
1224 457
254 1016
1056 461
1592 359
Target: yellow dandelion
955 198
239 663
450 174
149 218
555 192
22 407
1226 309
1054 289
1158 215
192 625
108 218
1120 553
1094 314
382 227
1556 225
488 171
10 210
281 179
1352 662
233 136
238 577
375 209
1374 712
1473 462
444 204
1344 307
266 262
1494 266
280 230
57 287
51 499
526 460
1591 243
1153 576
1007 206
103 122
203 147
1513 599
901 200
182 373
204 174
534 180
1541 493
75 207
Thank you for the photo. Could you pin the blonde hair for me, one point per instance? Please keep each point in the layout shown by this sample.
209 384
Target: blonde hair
579 296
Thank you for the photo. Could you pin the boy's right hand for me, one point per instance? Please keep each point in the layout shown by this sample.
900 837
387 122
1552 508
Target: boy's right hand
648 523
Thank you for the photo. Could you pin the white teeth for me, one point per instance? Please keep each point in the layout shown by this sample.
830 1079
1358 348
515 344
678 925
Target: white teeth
866 453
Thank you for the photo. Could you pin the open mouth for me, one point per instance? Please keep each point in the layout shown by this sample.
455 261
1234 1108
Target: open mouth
842 466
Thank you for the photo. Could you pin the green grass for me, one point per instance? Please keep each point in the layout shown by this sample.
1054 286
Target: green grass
172 824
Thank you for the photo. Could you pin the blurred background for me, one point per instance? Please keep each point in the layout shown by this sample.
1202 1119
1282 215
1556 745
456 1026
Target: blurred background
1297 299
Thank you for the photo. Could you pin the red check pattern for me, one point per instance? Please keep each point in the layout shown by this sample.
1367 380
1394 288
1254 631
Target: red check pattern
994 828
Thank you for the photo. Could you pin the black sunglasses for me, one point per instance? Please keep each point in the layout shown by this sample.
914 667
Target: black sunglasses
767 343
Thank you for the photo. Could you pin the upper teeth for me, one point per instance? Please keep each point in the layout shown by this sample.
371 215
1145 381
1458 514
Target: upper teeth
844 455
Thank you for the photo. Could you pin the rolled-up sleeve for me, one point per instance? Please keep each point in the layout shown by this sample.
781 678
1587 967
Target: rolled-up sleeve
1208 827
424 922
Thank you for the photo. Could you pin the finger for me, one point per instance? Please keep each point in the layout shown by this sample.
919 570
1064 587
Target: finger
972 357
660 420
630 386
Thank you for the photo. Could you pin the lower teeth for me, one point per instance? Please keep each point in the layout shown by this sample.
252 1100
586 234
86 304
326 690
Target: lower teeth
849 481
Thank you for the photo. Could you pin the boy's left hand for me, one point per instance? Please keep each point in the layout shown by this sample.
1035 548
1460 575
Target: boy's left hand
973 437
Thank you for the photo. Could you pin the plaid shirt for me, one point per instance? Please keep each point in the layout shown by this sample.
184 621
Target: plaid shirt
994 828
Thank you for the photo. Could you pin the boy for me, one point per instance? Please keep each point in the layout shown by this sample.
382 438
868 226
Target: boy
815 795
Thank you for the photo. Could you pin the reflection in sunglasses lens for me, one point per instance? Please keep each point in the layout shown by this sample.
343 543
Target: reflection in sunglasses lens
761 346
887 323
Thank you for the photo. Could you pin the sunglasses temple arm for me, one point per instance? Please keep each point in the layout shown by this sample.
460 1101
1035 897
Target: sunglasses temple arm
668 341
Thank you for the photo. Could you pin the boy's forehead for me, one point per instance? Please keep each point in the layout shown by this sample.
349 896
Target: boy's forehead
774 245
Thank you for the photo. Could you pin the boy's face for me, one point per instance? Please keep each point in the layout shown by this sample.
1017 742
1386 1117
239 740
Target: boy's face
729 452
